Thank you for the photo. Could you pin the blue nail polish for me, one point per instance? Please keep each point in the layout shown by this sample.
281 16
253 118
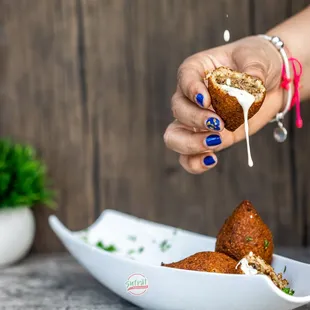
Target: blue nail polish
208 160
213 123
199 99
213 140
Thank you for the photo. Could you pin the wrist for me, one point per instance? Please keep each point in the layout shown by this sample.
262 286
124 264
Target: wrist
275 63
294 33
285 76
290 83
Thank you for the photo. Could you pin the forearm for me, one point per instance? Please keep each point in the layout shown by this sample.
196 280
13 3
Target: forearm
294 32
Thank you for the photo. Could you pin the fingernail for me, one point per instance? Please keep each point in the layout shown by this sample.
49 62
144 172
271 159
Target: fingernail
208 160
213 123
199 99
213 140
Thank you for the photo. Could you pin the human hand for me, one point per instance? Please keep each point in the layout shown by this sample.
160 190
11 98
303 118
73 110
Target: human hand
190 135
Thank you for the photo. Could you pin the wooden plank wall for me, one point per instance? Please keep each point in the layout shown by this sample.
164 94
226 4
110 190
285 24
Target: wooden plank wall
88 82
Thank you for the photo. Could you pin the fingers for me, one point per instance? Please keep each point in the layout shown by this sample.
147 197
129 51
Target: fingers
192 116
191 82
196 148
181 139
197 164
184 141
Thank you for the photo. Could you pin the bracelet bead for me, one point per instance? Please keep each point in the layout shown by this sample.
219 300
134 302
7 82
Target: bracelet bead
276 41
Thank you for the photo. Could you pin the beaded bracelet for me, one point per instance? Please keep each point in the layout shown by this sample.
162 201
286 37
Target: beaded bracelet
280 133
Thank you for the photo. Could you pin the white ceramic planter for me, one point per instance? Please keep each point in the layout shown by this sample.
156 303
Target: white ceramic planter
17 229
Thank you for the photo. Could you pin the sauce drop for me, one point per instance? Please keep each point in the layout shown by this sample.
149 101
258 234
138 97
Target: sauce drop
226 35
246 100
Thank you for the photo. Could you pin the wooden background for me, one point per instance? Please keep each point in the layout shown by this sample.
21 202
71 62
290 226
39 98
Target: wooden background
88 82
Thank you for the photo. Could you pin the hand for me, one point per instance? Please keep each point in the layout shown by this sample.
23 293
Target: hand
190 135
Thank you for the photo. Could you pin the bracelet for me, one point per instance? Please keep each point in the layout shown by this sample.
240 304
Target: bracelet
280 133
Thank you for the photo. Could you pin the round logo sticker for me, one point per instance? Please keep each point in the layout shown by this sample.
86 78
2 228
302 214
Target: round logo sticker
137 284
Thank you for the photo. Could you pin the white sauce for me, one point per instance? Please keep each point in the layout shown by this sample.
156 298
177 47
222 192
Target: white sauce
245 99
245 267
226 35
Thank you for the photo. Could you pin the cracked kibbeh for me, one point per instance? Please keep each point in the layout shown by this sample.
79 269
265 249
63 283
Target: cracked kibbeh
252 262
228 107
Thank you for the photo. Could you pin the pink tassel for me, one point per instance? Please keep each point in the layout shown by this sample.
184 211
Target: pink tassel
296 96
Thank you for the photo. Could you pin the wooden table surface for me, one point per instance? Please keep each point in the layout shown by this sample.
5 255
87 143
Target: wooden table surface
57 282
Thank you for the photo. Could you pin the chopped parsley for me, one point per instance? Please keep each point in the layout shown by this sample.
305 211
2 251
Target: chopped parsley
175 232
248 239
164 245
132 238
84 238
288 291
284 269
108 248
132 251
266 244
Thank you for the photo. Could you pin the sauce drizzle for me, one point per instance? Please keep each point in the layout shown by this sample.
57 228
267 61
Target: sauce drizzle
246 100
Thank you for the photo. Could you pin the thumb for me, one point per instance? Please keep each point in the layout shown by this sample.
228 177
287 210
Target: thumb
255 68
248 62
254 61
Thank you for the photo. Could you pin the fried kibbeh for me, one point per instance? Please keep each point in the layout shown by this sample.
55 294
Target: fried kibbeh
228 107
244 232
252 262
207 261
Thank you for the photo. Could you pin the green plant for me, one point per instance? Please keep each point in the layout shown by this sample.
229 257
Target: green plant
23 177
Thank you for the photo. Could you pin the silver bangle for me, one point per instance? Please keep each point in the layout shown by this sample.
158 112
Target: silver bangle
280 133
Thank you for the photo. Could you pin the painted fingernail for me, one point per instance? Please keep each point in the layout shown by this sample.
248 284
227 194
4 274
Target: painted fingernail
199 99
213 140
208 160
213 123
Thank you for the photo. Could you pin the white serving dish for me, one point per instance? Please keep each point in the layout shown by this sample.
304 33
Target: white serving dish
164 288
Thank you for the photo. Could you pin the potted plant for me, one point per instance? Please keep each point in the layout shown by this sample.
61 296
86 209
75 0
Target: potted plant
23 184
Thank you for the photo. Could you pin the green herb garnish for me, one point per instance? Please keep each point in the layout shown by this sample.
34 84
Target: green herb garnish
132 238
84 238
109 248
284 269
288 291
175 232
132 251
164 245
24 178
248 239
266 244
